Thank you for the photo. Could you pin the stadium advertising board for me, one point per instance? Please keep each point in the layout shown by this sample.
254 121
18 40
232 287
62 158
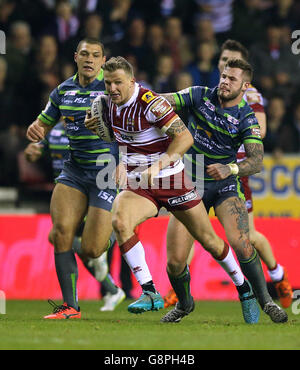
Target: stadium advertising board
276 190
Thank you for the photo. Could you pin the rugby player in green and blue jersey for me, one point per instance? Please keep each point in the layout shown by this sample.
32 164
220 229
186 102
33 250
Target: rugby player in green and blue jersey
56 145
220 121
76 193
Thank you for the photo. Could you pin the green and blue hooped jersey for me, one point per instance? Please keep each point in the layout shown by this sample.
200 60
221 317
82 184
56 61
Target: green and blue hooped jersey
56 143
218 132
70 101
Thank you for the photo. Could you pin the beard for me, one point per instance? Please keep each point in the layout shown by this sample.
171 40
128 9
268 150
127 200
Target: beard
228 97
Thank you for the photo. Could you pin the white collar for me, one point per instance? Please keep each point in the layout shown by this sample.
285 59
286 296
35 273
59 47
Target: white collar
132 99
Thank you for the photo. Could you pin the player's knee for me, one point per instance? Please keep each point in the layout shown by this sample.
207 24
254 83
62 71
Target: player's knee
60 236
175 265
243 248
50 237
119 223
212 244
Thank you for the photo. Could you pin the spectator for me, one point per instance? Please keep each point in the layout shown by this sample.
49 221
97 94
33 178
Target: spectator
276 111
247 14
155 43
6 96
203 71
204 32
164 80
64 23
276 68
134 43
220 13
177 44
290 135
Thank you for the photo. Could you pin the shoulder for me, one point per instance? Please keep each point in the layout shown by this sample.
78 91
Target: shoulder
253 96
154 104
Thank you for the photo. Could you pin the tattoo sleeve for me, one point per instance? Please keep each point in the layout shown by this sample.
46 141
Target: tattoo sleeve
171 99
254 161
177 127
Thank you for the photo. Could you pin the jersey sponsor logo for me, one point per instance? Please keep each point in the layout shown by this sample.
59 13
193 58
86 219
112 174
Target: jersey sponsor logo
106 196
232 120
175 201
209 105
160 108
208 133
70 93
255 131
148 97
94 94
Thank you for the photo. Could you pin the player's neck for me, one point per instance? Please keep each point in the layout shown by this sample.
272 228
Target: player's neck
230 103
85 81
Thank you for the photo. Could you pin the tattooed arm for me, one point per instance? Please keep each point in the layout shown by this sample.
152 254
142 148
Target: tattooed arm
171 99
251 165
254 161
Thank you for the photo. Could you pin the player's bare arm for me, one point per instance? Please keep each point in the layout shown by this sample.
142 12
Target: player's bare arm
250 166
33 152
37 131
170 98
254 162
262 121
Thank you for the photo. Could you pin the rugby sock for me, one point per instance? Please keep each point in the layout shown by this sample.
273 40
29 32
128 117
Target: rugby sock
181 286
108 285
67 274
253 271
229 264
277 273
133 252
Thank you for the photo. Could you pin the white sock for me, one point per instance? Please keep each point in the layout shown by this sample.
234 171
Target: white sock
136 260
230 265
277 273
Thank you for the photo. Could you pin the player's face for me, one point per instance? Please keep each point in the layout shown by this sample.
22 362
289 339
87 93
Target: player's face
232 84
89 59
225 56
119 85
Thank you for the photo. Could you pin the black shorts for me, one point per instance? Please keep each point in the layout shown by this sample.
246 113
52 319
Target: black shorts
215 192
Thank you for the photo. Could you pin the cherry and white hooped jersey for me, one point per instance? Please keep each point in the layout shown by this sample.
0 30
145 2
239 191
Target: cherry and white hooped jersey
140 126
254 98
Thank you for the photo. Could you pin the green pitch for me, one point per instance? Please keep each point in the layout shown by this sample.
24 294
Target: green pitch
213 325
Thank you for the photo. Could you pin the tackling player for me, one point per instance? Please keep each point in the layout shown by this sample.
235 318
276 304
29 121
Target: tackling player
76 194
155 139
232 49
220 122
56 144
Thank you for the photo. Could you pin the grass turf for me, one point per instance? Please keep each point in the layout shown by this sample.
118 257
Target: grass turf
213 325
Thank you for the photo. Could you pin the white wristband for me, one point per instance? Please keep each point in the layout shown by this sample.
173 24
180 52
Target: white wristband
234 168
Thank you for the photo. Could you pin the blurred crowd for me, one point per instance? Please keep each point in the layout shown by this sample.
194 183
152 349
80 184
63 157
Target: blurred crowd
172 44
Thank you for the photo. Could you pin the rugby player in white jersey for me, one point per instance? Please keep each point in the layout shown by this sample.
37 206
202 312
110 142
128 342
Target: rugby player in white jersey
155 139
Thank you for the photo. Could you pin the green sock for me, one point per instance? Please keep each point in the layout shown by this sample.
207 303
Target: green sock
253 271
108 285
67 274
181 286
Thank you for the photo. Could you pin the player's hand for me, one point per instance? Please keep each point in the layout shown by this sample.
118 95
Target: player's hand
148 175
35 132
90 122
120 176
218 171
33 152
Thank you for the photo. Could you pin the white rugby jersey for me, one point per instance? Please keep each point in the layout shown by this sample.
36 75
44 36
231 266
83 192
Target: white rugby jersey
140 125
255 100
